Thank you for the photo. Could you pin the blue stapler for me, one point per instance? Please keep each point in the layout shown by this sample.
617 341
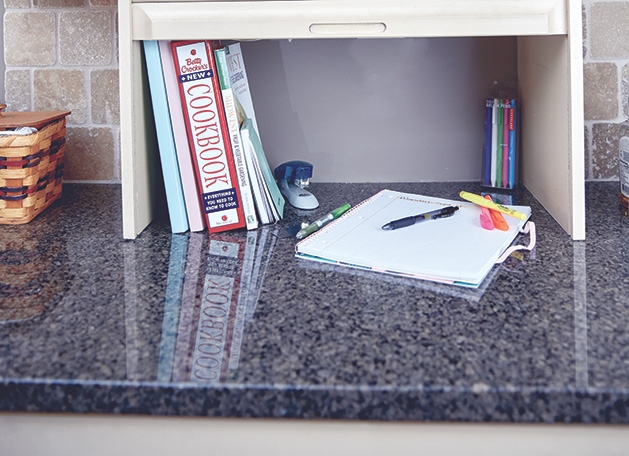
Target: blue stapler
293 177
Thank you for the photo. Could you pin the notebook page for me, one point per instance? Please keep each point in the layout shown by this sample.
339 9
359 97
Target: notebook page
451 249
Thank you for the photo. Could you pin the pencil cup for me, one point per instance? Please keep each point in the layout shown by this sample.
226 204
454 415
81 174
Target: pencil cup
500 152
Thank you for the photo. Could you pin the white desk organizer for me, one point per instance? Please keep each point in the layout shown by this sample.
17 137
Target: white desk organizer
550 74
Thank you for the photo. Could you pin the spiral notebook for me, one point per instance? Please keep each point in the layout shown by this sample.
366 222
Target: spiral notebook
455 250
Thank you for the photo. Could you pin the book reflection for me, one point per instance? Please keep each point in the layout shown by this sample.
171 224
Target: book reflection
212 290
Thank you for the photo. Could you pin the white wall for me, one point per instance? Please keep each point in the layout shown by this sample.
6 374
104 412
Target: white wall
343 104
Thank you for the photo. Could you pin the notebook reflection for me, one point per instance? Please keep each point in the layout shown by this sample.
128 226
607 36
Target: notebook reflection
213 287
513 264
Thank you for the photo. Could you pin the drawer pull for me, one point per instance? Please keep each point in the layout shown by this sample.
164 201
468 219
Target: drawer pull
348 29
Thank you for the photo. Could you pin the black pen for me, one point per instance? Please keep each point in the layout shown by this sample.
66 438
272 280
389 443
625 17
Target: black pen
413 219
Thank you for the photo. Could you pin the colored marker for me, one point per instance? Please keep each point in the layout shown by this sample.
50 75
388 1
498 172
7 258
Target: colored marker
477 199
485 218
497 218
314 226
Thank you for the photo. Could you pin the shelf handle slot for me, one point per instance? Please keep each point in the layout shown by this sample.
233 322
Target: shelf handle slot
348 29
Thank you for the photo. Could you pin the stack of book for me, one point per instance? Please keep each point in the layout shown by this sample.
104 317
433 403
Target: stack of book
215 170
500 150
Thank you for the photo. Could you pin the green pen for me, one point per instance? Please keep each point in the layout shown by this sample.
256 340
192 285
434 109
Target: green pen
314 226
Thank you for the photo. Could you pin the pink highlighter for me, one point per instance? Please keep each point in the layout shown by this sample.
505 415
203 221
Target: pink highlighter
485 218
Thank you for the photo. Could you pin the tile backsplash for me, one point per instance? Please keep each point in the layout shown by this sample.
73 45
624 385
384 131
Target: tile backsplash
606 83
62 54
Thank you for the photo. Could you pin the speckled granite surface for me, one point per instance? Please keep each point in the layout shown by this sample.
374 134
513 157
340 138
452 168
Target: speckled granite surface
92 323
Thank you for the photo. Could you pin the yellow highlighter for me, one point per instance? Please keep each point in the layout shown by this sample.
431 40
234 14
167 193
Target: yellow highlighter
477 199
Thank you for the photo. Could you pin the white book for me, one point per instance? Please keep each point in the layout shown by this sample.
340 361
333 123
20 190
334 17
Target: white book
268 198
240 82
255 152
230 105
257 180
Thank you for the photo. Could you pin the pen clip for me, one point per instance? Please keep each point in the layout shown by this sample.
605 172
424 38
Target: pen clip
443 215
445 212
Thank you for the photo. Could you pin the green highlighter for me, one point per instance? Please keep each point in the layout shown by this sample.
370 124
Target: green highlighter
314 226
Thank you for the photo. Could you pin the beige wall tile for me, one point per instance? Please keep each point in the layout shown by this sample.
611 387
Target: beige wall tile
89 154
118 165
587 153
17 4
606 84
18 90
584 30
605 151
85 37
116 38
105 100
30 38
624 91
61 89
58 3
609 30
600 91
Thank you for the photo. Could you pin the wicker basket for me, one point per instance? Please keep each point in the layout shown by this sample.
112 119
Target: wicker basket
31 166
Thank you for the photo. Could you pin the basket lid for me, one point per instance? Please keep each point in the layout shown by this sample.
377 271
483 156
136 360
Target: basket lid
28 119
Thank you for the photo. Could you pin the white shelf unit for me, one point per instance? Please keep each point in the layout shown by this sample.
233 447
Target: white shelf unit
550 74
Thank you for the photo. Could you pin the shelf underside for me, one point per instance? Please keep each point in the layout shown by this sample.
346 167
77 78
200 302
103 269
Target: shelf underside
344 19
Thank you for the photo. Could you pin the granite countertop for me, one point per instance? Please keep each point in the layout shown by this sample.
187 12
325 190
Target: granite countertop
91 323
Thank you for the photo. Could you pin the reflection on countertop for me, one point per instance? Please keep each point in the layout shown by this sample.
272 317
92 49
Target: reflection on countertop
201 338
234 325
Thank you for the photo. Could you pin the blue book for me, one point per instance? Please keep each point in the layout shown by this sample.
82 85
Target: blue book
165 140
512 145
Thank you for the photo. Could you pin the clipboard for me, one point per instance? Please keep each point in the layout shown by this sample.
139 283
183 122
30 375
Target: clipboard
454 250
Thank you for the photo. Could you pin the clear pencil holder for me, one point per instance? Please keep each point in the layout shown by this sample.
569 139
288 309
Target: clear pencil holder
500 150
